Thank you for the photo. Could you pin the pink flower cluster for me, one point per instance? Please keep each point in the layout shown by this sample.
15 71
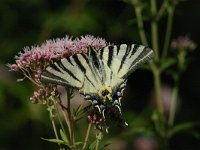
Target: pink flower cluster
43 94
183 42
95 117
36 58
81 44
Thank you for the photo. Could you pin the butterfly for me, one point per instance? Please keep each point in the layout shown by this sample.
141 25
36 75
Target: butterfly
99 75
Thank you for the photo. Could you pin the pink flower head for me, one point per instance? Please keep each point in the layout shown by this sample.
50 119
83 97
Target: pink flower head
95 117
183 42
82 44
43 95
34 59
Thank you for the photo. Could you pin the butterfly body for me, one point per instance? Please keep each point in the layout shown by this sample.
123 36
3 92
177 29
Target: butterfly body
99 75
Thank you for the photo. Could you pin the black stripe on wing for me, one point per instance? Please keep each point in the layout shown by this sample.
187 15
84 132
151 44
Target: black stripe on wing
69 60
96 64
85 58
94 57
60 64
48 77
135 48
85 67
110 55
77 61
128 49
118 48
88 65
145 55
101 53
62 73
53 66
90 81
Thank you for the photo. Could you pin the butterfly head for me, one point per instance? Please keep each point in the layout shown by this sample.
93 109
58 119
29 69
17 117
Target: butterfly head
105 93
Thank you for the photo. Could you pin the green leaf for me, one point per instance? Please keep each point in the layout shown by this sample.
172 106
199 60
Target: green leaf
77 119
78 143
63 136
182 128
58 141
77 110
54 140
93 145
78 113
106 145
74 112
167 63
80 110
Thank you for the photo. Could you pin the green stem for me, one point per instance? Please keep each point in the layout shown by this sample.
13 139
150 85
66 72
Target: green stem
161 10
173 104
67 120
140 25
87 136
52 106
99 137
168 31
60 121
72 131
70 118
55 130
157 84
181 60
154 30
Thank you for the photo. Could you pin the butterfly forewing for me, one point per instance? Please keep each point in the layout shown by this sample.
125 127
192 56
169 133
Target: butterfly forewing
93 75
64 72
124 59
78 71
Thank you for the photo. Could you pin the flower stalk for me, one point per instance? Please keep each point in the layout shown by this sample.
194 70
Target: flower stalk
70 117
98 139
181 47
154 29
173 105
141 25
168 31
55 129
87 135
157 84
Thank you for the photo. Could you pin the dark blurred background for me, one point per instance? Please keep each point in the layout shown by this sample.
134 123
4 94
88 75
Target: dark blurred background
25 23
